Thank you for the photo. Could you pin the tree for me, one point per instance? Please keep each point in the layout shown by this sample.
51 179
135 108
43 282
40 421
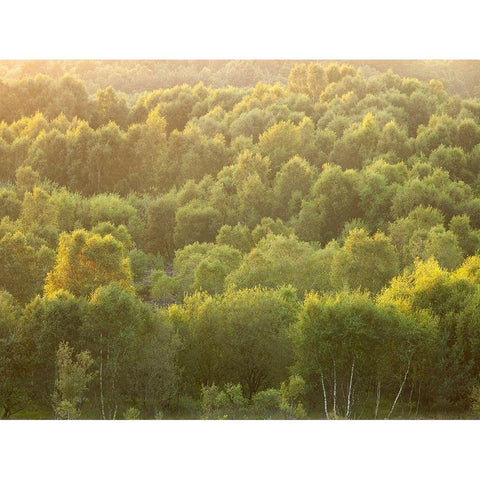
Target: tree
237 236
255 200
252 123
153 381
72 381
18 272
10 206
109 106
113 320
200 266
443 245
212 270
334 200
238 337
451 297
451 159
468 134
441 130
284 140
364 262
161 224
37 208
357 145
291 392
223 403
15 359
195 222
119 233
25 179
49 321
278 260
110 208
468 239
394 139
292 184
348 349
86 261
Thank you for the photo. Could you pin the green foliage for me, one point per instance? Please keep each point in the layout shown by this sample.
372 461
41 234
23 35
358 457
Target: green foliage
364 262
195 223
334 200
114 317
452 298
214 267
161 224
468 239
131 413
292 184
139 264
25 179
72 381
240 336
348 340
163 287
279 260
475 399
269 226
10 206
222 404
15 359
18 269
312 178
110 208
49 321
153 372
237 237
266 403
291 393
119 233
284 140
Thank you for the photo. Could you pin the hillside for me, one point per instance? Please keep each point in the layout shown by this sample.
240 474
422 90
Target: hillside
239 239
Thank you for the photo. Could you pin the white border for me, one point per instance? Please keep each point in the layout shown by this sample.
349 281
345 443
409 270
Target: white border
220 30
216 29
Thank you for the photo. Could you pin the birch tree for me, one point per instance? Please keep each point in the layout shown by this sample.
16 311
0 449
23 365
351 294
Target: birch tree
112 322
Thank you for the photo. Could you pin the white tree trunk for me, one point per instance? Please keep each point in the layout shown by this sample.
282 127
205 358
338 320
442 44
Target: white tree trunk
101 381
399 390
334 390
324 397
347 415
379 384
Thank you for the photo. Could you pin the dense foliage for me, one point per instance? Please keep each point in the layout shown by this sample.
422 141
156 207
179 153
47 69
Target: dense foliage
240 240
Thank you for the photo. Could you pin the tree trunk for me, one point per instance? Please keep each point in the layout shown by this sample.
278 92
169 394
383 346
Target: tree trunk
418 400
325 397
102 404
377 404
399 390
410 406
350 390
334 390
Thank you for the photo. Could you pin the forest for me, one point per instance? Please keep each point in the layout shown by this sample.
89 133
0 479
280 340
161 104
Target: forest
239 239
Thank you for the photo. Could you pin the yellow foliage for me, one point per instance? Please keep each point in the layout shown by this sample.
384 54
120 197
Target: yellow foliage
86 261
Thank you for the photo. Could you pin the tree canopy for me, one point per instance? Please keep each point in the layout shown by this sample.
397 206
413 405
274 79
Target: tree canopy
239 239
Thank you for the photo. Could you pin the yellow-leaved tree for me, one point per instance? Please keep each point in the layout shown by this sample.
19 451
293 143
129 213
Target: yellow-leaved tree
86 261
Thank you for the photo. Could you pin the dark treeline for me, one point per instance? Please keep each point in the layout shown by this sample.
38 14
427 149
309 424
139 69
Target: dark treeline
296 248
